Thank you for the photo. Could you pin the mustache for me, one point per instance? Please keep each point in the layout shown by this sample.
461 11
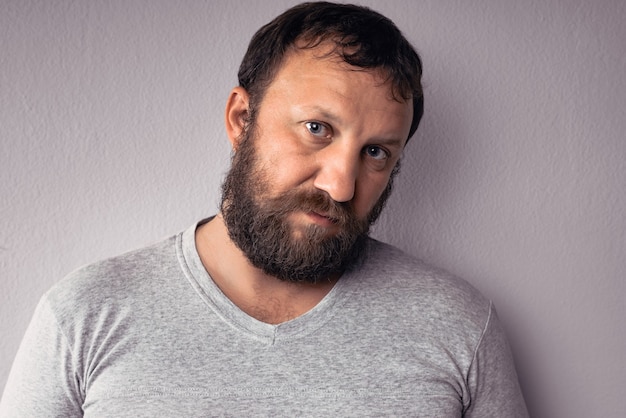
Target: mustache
321 203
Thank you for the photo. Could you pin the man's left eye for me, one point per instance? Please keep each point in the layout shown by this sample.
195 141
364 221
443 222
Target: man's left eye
376 153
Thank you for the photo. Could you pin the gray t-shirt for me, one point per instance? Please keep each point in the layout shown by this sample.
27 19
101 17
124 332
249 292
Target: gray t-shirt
149 334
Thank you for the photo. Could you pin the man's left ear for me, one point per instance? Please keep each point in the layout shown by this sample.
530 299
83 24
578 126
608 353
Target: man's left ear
237 110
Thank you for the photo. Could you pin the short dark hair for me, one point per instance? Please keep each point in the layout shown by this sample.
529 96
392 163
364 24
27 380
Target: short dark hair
363 38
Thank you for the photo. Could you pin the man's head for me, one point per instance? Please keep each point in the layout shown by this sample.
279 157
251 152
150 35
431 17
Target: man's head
362 38
318 132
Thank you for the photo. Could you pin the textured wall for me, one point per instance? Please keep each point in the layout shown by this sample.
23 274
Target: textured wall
111 137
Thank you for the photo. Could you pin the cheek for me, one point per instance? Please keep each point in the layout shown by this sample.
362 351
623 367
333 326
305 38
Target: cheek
286 164
287 171
368 192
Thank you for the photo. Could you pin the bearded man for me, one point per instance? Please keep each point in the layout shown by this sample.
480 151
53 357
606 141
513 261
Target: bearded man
281 304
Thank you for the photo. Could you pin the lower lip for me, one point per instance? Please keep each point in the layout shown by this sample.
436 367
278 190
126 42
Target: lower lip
320 220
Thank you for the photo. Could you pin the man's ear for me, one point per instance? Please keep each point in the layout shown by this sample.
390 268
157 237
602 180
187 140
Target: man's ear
237 110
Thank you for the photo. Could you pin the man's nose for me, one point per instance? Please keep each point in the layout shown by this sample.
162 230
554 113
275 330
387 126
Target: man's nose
337 173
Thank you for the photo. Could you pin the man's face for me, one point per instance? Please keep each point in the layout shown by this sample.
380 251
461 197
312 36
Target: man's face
310 172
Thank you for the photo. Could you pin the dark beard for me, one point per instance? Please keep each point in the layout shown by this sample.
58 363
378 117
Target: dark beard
258 225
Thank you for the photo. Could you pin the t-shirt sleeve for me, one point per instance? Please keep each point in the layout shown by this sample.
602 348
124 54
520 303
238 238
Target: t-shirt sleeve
492 379
44 381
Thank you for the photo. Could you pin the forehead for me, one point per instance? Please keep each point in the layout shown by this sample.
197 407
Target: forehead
322 66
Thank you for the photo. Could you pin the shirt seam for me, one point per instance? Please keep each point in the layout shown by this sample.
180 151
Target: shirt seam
467 404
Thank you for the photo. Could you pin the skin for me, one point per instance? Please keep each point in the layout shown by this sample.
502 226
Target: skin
322 125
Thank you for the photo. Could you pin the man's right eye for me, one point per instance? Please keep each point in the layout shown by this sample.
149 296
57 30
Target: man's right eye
317 129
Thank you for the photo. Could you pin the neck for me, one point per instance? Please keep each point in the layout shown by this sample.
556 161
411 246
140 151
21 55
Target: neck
260 295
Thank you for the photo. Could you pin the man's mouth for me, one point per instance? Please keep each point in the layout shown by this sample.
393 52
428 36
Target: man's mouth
322 219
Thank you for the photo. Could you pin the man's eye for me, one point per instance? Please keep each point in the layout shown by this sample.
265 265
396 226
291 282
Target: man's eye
376 153
317 128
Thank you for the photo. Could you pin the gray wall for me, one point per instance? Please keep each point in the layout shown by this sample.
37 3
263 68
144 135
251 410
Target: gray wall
111 137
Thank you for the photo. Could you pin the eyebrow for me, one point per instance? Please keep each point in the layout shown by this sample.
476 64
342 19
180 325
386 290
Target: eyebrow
326 114
391 142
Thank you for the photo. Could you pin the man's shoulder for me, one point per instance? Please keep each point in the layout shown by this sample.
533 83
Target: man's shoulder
403 269
404 281
112 279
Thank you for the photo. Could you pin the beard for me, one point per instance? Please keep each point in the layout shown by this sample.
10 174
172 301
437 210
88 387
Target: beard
258 224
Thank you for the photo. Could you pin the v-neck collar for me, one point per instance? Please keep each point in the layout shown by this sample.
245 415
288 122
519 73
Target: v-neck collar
230 313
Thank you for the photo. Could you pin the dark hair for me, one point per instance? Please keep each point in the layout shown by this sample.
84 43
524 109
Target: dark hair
363 38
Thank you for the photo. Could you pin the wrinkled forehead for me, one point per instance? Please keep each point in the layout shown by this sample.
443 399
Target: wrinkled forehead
335 51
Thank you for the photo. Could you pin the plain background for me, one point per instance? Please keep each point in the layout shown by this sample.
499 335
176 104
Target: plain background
111 129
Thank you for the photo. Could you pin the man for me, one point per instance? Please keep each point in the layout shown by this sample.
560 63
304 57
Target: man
281 304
